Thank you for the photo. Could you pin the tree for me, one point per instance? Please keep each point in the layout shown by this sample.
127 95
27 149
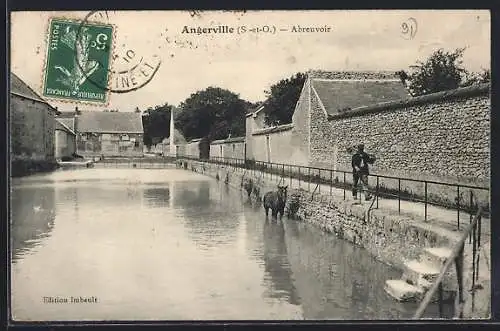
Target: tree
282 98
474 78
137 110
440 72
212 113
156 124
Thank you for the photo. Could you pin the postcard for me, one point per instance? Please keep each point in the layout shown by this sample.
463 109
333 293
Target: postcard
250 165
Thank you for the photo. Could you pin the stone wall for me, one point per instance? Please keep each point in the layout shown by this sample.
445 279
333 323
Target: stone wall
229 148
31 129
65 144
389 237
441 137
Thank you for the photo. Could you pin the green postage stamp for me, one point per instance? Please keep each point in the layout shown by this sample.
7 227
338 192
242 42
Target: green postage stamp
78 60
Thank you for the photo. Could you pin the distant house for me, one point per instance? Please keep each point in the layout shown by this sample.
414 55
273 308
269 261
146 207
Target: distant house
112 134
65 140
31 124
179 144
231 147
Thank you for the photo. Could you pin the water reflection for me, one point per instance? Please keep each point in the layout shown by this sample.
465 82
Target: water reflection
209 217
32 218
157 197
338 280
191 248
276 264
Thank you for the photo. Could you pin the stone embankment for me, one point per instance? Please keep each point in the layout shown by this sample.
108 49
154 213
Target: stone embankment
403 241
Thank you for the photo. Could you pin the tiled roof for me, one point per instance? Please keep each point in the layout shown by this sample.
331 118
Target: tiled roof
338 96
109 122
67 114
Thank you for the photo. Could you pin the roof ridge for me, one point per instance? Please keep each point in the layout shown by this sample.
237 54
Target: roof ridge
27 86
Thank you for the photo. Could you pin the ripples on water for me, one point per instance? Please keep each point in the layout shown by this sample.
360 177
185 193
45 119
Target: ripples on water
172 245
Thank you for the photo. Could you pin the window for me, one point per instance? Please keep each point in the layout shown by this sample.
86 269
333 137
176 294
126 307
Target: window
136 144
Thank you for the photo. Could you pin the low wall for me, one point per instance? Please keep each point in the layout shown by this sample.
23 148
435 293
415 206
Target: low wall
390 237
24 166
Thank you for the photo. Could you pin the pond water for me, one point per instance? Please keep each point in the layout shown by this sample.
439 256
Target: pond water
168 244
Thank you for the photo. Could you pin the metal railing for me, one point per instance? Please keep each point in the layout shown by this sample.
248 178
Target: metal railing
429 195
473 232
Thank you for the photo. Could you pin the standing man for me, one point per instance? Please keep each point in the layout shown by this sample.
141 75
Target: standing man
360 161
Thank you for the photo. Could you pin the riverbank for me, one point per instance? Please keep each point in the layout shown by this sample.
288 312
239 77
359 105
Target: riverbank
21 167
391 237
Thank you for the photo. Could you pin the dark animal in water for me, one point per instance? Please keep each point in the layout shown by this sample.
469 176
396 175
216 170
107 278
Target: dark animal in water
276 201
248 185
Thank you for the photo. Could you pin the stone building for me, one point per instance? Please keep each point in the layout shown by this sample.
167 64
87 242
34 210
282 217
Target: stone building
31 129
109 134
65 140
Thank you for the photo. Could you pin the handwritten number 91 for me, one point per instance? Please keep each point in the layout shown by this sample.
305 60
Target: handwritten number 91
409 28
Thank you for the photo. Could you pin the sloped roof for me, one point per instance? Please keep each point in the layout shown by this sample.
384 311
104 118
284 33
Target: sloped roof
59 125
340 95
109 122
352 74
17 86
20 88
67 121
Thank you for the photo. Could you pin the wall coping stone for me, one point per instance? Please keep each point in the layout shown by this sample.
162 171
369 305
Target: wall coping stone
463 92
273 129
228 140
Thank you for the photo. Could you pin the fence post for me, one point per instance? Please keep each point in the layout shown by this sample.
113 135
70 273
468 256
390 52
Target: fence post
399 195
425 200
474 252
377 190
331 181
319 181
459 271
309 178
471 202
344 185
299 176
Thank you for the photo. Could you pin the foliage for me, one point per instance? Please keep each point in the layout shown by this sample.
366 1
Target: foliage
213 113
442 71
282 98
156 123
474 78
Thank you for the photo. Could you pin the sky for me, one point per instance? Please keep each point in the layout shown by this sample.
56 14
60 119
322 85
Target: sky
249 63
